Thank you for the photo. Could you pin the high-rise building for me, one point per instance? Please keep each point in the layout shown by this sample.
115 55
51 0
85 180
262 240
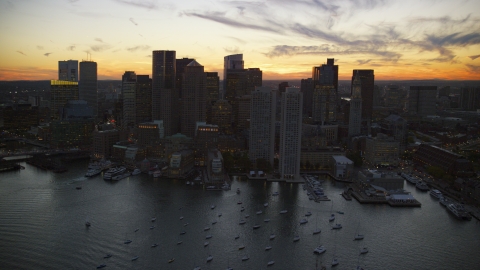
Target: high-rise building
213 87
306 86
60 93
254 79
68 70
103 142
180 65
129 87
262 124
394 96
222 115
231 62
355 115
324 104
242 112
470 98
163 89
367 81
421 100
291 133
87 88
326 74
143 99
193 97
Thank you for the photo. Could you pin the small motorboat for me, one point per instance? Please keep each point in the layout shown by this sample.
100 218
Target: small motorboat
303 221
334 262
171 260
153 219
155 245
101 266
107 256
209 258
206 243
236 237
259 212
296 238
135 258
242 222
337 226
127 242
241 247
317 231
182 233
136 230
268 247
152 227
364 250
319 250
308 214
245 258
283 212
272 236
181 218
358 237
270 263
266 220
206 228
179 242
256 226
208 236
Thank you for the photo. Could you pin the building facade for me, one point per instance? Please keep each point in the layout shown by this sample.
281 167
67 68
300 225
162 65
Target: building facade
88 85
421 100
367 85
355 115
291 133
193 97
164 91
382 150
68 70
129 87
60 93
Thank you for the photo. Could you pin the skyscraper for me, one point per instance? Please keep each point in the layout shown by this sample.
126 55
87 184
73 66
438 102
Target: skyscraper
213 87
129 86
306 86
262 124
367 81
87 87
470 98
291 133
163 89
68 70
325 92
194 96
60 93
231 62
143 99
355 115
422 100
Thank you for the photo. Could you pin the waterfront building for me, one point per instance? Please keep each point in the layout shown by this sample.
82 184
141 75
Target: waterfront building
193 97
422 100
262 124
206 138
215 166
143 99
129 87
164 91
177 142
367 84
430 155
386 180
19 117
181 164
342 167
68 70
355 114
60 93
149 133
382 150
319 158
87 87
291 134
72 133
103 142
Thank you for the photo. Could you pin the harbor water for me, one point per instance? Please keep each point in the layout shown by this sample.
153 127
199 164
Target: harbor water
43 215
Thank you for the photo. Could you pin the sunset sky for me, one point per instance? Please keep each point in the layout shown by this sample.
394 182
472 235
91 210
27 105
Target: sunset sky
427 39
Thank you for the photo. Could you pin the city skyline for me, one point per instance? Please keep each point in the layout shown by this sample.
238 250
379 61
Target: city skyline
403 41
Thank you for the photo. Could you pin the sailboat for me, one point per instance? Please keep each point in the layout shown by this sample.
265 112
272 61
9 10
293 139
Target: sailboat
357 235
334 259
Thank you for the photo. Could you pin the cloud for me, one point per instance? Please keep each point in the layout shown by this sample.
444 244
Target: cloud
473 68
363 62
133 21
473 57
139 47
220 17
149 56
232 50
238 40
47 54
99 40
455 39
139 3
100 48
39 47
20 52
71 48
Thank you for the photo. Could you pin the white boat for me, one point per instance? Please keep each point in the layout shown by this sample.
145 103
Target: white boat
308 214
334 262
266 220
181 217
259 212
242 222
256 226
136 172
171 260
206 228
358 237
458 211
179 242
332 217
319 250
152 227
444 201
364 250
157 173
93 172
153 219
436 193
303 221
270 263
246 216
283 212
206 243
183 232
212 206
121 176
337 226
296 238
245 258
422 186
317 231
265 204
197 268
112 172
268 247
275 193
272 236
209 258
155 245
208 236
